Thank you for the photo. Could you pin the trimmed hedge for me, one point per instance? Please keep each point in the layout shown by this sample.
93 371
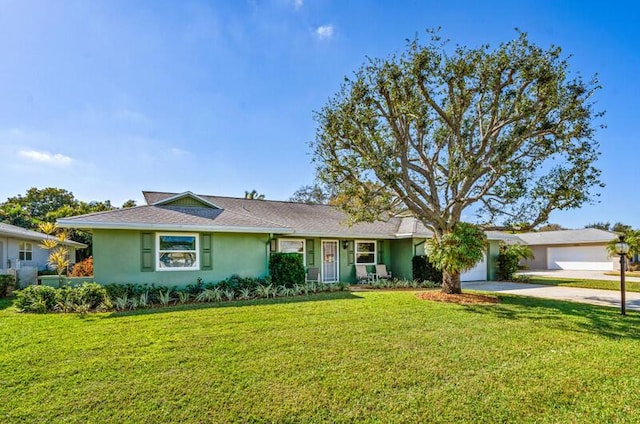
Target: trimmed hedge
423 270
287 269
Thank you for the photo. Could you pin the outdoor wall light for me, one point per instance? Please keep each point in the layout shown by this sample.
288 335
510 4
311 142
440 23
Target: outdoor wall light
622 248
345 244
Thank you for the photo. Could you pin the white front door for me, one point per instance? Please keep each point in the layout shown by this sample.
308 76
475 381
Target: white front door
330 261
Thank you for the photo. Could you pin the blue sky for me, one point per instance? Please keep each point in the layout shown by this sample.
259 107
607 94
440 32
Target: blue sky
109 98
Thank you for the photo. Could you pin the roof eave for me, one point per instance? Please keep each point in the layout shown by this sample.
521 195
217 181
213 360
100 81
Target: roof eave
36 237
168 227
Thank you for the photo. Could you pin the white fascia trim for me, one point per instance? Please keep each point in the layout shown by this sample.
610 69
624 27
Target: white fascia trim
346 236
405 235
166 227
185 194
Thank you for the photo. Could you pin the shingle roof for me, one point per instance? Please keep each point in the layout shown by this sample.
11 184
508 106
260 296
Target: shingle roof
8 230
584 235
247 215
172 217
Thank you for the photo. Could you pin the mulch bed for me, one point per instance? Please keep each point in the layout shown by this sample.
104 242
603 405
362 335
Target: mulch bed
462 299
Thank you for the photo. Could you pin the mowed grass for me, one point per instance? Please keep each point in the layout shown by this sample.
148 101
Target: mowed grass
631 286
335 357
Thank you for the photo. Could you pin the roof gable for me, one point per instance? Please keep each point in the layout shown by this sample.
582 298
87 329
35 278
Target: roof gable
186 199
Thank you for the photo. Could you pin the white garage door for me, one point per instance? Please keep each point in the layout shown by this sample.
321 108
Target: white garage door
589 258
477 273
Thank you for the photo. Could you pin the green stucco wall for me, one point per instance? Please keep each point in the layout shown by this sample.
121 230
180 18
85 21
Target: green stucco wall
117 259
401 255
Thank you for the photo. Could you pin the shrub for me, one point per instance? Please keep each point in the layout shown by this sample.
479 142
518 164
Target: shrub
88 296
83 268
39 299
236 283
6 281
286 269
423 270
508 258
93 294
195 289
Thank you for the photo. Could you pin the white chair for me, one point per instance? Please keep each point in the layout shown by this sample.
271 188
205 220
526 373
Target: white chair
382 273
362 274
313 275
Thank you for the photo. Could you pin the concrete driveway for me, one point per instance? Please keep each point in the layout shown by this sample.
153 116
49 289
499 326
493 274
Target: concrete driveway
573 294
583 275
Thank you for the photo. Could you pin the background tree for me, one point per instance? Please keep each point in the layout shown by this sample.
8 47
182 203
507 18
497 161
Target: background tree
621 228
632 237
316 194
606 226
47 205
253 194
508 131
129 204
551 227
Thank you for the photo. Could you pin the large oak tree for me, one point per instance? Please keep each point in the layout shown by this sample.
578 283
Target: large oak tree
438 130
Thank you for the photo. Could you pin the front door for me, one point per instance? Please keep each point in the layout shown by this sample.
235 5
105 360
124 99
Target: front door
329 261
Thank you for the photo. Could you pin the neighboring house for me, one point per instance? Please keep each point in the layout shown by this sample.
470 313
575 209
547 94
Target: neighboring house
20 248
583 249
177 238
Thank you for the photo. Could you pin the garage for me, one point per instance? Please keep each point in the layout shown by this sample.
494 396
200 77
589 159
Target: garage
587 258
477 273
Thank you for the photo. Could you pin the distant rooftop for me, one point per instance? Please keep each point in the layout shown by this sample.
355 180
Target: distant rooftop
13 231
584 235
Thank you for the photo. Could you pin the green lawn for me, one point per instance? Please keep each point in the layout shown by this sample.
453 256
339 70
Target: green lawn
589 284
335 357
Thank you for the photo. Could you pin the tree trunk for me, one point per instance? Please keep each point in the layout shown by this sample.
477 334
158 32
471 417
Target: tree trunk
451 283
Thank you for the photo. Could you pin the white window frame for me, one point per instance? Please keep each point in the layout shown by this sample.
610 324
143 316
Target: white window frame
196 263
24 248
375 252
304 248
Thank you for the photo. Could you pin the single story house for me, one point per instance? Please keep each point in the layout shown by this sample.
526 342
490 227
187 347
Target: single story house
583 249
177 238
20 250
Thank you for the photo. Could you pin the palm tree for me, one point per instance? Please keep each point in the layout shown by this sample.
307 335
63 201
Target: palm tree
253 194
631 237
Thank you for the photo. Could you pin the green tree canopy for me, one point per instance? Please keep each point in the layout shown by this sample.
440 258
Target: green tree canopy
606 226
508 132
253 194
317 194
551 227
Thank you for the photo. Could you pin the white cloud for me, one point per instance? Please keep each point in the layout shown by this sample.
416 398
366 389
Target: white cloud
324 31
175 151
297 4
55 159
